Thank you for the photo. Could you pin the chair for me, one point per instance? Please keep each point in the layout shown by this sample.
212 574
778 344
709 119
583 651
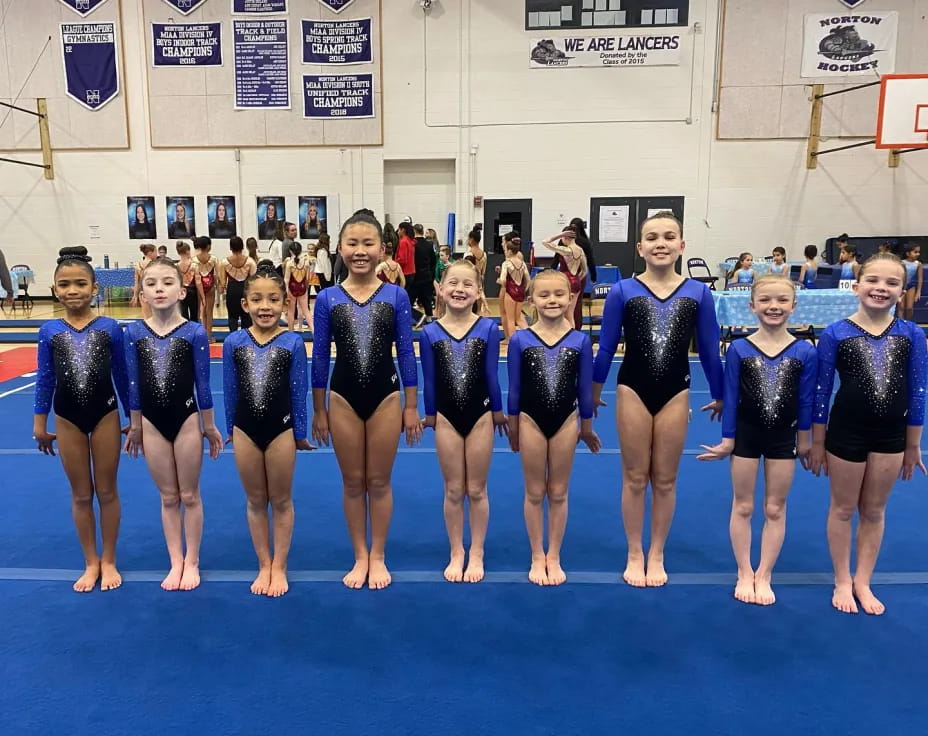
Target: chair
699 271
21 284
599 291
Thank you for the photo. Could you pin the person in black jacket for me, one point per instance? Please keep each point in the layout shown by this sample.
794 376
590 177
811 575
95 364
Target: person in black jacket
422 288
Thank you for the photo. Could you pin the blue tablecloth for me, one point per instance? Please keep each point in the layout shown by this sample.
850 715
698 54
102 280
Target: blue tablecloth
18 276
107 277
761 268
814 307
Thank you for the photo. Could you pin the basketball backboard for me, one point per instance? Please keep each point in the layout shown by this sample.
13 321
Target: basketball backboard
902 121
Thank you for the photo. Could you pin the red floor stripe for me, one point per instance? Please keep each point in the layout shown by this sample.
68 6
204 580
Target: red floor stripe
15 362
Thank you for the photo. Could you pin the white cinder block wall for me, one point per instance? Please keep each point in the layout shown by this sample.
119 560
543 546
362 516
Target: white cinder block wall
457 86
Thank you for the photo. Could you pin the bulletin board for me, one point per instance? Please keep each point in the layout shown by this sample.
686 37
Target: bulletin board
194 107
32 68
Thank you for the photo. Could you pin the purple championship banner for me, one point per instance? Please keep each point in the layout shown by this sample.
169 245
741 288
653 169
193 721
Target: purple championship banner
83 7
336 6
185 7
262 64
186 44
337 41
91 70
338 96
247 7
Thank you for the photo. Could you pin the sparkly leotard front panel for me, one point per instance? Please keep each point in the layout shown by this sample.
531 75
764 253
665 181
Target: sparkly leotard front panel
771 393
364 333
549 382
77 370
265 386
163 372
657 335
882 376
460 375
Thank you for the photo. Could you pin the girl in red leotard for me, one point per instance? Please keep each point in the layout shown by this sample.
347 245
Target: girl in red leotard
571 261
206 274
513 276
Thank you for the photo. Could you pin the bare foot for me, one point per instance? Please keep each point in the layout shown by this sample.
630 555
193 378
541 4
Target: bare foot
357 576
262 582
538 572
869 602
110 578
843 598
86 582
744 589
634 572
191 577
379 576
279 583
172 581
556 574
763 593
454 573
474 571
656 576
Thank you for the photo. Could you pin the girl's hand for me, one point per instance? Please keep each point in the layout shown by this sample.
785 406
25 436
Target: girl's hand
214 438
321 427
591 440
514 433
411 425
501 423
46 442
910 460
133 444
804 453
818 462
304 444
715 410
428 423
717 452
598 402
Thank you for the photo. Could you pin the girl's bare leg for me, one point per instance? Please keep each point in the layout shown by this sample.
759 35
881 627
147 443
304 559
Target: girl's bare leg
778 476
635 426
670 426
280 459
159 456
303 306
347 431
561 449
74 450
382 435
249 461
881 474
846 483
209 302
188 454
743 480
521 323
504 313
478 451
533 449
105 446
449 446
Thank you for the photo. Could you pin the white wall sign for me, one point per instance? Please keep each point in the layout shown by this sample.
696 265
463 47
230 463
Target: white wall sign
859 44
613 224
663 49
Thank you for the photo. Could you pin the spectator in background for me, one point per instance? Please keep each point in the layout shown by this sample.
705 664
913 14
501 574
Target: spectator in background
432 237
406 253
425 261
5 281
251 245
390 236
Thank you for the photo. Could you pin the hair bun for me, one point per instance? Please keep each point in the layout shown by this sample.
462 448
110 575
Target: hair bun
73 253
266 268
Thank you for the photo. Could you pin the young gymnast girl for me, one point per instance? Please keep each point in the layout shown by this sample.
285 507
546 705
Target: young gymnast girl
207 267
388 270
550 382
264 382
167 359
193 289
148 255
460 363
365 318
769 390
779 266
743 275
849 265
514 278
809 270
874 428
296 277
234 271
572 263
79 357
914 275
659 312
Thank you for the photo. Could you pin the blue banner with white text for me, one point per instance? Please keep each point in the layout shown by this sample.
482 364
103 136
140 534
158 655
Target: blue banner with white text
338 96
90 62
186 44
246 7
83 7
185 7
336 6
262 64
337 41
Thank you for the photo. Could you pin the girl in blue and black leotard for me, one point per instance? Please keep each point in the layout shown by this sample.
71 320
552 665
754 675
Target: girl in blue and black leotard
779 266
743 275
874 428
659 312
365 317
809 269
79 358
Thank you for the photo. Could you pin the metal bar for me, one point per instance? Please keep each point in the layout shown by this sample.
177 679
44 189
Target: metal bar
842 91
22 109
910 150
844 148
23 163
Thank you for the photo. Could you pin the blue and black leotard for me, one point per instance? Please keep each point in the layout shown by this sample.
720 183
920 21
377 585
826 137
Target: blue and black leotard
657 336
364 333
163 371
550 382
265 386
77 369
460 375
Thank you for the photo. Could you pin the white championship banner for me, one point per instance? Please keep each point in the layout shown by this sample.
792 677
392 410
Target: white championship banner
607 49
851 44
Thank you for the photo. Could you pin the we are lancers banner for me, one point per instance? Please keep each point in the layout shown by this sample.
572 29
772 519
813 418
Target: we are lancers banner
662 49
848 45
